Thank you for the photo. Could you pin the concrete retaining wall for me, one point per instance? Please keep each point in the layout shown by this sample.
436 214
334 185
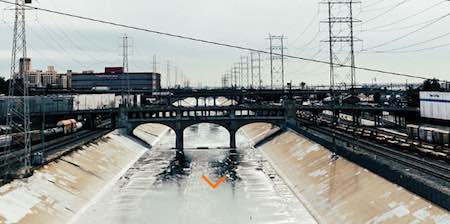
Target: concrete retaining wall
59 191
341 191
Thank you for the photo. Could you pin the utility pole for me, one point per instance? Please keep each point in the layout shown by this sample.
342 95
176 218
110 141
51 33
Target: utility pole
277 60
340 14
18 108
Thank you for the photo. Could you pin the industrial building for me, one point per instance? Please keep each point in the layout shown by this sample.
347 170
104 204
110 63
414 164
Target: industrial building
115 79
435 107
38 104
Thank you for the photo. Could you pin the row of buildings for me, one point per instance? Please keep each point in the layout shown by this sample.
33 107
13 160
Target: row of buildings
112 78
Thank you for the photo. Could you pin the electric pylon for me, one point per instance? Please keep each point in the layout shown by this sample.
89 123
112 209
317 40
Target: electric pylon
341 39
256 68
277 59
18 115
125 53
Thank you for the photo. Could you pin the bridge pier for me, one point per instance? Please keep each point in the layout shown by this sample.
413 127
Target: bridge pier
179 142
233 139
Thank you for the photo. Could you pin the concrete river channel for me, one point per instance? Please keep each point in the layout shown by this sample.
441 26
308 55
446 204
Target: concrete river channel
141 179
163 187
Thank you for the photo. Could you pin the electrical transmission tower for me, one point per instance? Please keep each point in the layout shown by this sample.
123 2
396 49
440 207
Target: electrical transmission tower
255 59
277 58
245 76
18 115
168 84
125 54
224 80
341 39
235 76
155 64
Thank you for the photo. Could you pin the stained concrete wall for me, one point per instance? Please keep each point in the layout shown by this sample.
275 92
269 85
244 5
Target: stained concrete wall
59 191
340 191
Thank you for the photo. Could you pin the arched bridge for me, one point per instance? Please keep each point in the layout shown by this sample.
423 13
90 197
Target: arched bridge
178 119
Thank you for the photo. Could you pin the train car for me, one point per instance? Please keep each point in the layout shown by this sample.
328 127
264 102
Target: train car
426 134
63 127
69 126
441 137
412 131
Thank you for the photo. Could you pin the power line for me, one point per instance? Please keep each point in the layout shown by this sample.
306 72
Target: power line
416 50
369 9
386 12
408 34
408 17
403 27
306 28
208 41
418 43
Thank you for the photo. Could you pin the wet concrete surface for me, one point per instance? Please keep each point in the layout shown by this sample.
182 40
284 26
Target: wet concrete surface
166 186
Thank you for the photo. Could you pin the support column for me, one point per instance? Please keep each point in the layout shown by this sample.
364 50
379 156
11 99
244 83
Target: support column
113 122
233 139
179 145
290 112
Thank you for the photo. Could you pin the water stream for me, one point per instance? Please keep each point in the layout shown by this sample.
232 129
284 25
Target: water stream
165 187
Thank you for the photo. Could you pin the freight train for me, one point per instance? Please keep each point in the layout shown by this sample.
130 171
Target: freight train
63 127
421 143
434 135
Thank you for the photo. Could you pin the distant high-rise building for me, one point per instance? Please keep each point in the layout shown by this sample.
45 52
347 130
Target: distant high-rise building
24 65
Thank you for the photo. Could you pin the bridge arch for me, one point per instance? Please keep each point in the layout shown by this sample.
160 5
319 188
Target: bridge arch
231 126
219 133
256 131
152 133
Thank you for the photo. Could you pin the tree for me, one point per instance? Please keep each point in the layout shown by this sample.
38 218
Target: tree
303 85
377 97
4 86
431 85
412 97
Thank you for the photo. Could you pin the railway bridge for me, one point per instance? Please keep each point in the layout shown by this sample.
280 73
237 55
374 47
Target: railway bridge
231 118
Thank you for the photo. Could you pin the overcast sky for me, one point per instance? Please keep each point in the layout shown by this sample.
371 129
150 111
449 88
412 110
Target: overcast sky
77 45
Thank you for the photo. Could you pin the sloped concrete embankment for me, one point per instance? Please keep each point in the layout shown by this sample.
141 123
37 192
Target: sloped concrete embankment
341 191
59 191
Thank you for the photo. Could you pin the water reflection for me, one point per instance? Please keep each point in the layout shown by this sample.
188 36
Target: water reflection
228 167
179 167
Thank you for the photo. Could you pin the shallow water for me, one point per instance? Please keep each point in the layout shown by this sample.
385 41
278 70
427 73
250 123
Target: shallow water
166 187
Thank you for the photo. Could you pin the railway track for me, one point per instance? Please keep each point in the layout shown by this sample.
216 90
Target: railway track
441 171
54 148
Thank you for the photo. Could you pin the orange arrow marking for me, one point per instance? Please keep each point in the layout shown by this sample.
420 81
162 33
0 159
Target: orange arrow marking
214 186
